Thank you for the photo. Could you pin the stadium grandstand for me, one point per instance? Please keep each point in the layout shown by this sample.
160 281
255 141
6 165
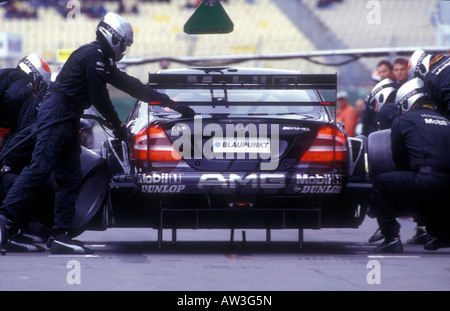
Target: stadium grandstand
260 27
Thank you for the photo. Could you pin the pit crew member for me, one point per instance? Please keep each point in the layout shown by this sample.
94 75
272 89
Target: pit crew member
420 149
434 70
81 83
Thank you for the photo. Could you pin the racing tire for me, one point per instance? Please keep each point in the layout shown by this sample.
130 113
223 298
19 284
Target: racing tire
380 153
93 193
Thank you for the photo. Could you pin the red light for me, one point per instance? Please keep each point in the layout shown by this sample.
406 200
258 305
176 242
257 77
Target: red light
159 149
329 145
155 103
241 204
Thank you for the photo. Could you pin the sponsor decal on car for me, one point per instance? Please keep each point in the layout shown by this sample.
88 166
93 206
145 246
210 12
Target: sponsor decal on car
162 188
254 180
237 141
160 178
241 145
318 183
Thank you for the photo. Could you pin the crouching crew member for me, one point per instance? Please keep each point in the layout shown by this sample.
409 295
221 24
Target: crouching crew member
420 140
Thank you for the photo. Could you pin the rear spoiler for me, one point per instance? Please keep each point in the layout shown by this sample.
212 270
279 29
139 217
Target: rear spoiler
326 82
243 81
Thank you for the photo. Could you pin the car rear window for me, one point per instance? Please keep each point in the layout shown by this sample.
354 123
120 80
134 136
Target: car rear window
245 102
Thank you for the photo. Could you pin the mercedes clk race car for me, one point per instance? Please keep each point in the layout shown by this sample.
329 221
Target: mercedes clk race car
238 148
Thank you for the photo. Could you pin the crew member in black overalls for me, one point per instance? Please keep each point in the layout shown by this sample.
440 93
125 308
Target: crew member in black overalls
81 83
17 85
434 70
22 89
420 140
382 98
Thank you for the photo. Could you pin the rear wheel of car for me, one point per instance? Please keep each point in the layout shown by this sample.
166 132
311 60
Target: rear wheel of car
380 153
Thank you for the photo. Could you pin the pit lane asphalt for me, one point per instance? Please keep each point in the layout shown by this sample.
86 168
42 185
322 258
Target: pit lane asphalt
205 260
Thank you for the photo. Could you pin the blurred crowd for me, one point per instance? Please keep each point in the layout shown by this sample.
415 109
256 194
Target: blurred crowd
29 9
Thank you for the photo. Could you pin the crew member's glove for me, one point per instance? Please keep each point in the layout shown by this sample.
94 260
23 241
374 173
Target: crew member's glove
121 132
185 111
166 100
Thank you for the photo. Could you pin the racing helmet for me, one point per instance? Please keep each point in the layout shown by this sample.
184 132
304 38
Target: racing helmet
117 32
384 92
33 64
409 93
419 64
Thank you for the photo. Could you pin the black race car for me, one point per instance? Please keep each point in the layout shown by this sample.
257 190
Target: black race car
239 148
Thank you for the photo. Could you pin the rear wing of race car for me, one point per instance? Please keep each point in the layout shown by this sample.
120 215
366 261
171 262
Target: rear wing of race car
324 84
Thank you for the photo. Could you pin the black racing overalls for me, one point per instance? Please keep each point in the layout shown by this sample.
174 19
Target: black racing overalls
80 84
16 87
18 106
437 83
421 151
386 115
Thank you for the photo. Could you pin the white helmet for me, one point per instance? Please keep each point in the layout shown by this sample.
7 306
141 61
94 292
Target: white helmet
384 92
419 64
117 32
35 65
409 93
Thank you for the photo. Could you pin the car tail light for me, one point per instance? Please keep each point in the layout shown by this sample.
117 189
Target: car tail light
154 145
329 145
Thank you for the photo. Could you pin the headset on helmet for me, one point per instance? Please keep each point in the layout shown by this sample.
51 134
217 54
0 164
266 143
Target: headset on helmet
384 92
409 93
117 32
33 64
419 64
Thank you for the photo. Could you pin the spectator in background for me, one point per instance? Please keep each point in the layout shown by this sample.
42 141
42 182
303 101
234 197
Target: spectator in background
122 8
400 71
135 8
94 9
346 113
192 4
384 70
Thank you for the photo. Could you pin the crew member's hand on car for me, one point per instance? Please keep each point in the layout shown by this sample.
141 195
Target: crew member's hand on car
121 132
166 100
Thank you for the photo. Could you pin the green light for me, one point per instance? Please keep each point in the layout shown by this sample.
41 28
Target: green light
209 18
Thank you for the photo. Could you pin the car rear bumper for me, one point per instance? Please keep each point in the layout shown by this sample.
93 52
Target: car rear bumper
274 183
237 200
